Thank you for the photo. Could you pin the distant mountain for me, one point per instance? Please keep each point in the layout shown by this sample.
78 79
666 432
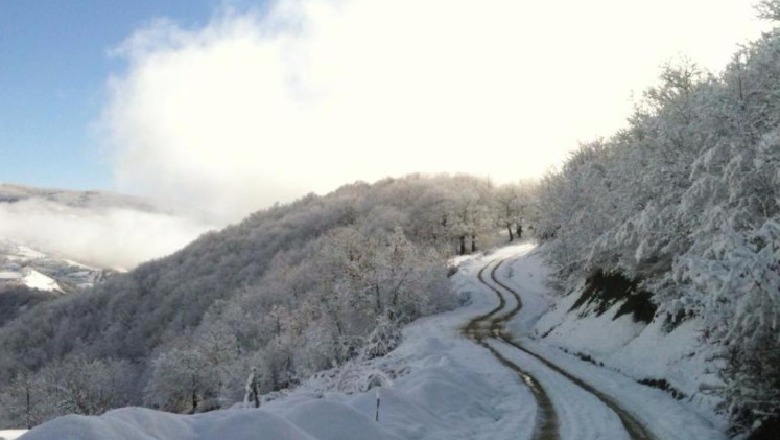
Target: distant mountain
10 193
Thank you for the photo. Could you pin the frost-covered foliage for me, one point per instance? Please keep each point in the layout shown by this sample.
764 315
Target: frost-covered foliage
74 384
289 291
15 299
687 200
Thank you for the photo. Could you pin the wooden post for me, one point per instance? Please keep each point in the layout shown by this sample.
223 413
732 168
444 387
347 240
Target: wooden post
377 403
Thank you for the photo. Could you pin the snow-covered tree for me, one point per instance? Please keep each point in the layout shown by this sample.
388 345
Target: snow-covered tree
181 380
252 390
515 207
686 202
25 400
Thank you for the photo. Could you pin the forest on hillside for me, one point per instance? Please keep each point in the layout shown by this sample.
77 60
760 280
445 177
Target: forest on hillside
289 291
686 202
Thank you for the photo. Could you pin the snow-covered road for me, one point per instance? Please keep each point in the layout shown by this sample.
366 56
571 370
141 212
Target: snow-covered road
573 404
590 401
486 329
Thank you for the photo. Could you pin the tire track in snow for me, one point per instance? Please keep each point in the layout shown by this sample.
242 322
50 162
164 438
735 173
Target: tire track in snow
476 330
497 331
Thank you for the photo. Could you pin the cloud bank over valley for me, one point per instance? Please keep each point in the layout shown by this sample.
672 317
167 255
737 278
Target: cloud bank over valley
111 237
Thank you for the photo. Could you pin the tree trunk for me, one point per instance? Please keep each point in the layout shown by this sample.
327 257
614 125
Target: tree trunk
519 231
462 247
256 391
511 235
377 406
194 395
28 406
473 243
338 325
378 305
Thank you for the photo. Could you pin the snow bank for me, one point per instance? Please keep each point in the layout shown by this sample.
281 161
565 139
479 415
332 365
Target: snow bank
581 328
144 424
326 420
638 350
11 434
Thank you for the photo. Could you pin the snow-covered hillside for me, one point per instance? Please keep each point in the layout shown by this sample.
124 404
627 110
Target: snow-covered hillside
436 385
23 265
296 288
442 386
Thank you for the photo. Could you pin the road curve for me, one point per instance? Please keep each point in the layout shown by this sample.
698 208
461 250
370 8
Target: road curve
634 428
492 326
487 326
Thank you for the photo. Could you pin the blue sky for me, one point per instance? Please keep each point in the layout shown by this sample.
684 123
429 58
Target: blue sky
54 63
230 109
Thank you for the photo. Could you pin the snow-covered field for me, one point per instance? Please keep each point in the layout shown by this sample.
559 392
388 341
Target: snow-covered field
23 265
441 386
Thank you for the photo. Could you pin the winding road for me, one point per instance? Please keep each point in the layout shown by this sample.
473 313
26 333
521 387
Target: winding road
553 395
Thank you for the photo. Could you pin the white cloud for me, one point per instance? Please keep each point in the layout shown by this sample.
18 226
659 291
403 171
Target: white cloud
259 107
109 237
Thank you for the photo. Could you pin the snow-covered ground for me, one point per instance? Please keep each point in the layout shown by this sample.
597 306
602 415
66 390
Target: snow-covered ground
661 415
23 265
37 280
441 386
637 350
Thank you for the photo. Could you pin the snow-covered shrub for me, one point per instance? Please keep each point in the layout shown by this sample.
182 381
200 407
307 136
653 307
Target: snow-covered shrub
385 337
